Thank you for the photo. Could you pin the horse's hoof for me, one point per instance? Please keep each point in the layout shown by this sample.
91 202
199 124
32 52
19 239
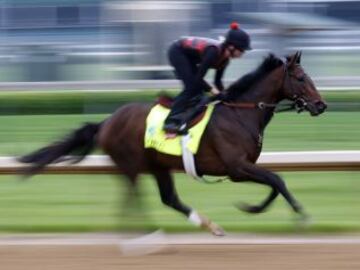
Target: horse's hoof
216 229
303 221
251 209
211 226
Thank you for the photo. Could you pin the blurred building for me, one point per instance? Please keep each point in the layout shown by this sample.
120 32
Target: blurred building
48 40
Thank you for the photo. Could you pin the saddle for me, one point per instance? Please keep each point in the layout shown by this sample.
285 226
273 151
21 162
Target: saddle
192 115
157 139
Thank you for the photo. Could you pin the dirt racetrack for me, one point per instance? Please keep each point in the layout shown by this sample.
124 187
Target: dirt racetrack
249 253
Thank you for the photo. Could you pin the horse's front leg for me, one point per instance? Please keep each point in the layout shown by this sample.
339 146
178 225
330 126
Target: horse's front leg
170 198
246 171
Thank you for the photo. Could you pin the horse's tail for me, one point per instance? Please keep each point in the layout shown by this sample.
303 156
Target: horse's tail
79 143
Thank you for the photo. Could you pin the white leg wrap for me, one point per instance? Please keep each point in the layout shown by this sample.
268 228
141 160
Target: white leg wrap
194 218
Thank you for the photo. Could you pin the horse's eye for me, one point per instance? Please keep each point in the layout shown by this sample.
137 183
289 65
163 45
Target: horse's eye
301 78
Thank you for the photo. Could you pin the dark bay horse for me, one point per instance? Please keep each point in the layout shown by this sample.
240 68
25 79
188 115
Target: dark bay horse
230 145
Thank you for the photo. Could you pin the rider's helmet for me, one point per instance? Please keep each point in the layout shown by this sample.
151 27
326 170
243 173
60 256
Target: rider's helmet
237 37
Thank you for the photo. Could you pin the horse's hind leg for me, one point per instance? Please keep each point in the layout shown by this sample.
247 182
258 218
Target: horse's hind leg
251 172
133 209
256 209
170 198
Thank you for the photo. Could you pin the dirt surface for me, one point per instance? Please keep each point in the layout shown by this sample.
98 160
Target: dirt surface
234 256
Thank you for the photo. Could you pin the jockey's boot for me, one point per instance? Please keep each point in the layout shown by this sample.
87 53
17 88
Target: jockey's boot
171 127
175 127
173 123
193 112
177 120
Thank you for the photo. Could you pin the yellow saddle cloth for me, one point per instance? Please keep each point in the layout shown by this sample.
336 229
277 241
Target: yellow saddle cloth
155 136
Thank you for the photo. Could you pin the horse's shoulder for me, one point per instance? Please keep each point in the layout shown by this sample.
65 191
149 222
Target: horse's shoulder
233 124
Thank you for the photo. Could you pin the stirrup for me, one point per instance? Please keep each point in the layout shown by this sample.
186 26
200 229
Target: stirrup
172 134
171 127
183 129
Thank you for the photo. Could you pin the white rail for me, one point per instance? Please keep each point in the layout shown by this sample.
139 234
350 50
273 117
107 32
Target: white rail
278 161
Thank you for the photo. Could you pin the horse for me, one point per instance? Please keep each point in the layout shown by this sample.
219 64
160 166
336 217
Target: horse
230 145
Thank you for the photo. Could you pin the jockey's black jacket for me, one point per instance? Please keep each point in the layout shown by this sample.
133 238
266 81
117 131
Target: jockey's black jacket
201 54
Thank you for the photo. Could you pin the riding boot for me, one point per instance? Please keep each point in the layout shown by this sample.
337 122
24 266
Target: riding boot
195 110
175 123
173 120
172 124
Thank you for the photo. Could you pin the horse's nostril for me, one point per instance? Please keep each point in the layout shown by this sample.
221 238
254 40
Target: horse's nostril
321 106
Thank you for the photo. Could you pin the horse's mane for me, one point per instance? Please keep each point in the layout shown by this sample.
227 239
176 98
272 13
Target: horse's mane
246 82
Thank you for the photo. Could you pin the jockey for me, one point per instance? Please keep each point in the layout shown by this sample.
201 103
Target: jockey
191 58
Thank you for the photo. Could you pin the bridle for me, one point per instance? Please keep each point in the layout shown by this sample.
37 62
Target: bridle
298 103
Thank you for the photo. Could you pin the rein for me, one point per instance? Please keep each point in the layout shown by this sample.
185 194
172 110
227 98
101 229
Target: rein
261 106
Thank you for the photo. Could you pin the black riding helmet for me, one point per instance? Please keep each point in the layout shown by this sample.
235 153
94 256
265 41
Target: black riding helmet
238 38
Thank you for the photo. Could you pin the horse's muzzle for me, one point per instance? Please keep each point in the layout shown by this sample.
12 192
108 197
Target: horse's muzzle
321 106
316 108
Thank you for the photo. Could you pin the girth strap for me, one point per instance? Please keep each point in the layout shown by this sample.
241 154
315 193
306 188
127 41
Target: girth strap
189 162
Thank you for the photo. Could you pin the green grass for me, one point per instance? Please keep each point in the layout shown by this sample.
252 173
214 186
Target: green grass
70 102
330 131
287 131
20 134
92 203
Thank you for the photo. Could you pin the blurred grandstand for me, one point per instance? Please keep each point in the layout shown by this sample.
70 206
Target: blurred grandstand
87 40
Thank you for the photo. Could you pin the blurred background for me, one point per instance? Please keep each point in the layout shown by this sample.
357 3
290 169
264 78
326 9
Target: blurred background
72 40
63 62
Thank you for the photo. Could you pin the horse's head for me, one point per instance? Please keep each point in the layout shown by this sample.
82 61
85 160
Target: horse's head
299 87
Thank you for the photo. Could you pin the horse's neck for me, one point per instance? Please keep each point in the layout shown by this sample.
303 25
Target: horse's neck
267 91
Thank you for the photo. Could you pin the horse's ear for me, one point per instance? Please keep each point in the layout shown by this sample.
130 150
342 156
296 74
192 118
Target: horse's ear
291 59
298 57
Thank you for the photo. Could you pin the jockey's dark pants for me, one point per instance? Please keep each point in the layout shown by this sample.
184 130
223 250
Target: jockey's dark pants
191 94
